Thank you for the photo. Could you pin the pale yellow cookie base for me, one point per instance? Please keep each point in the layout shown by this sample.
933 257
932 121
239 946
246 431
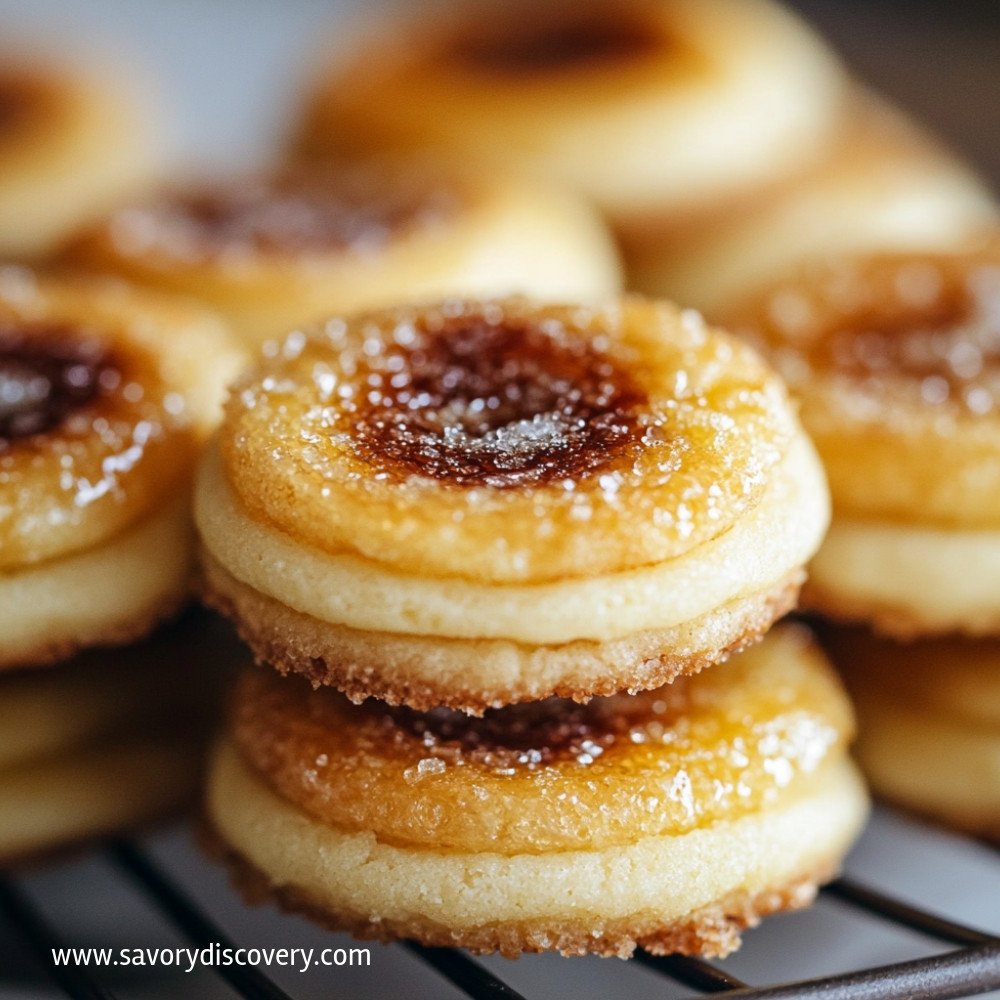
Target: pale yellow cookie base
472 675
770 542
908 580
612 897
106 595
90 792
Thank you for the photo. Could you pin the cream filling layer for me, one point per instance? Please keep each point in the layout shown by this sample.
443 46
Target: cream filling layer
662 877
945 577
777 536
86 597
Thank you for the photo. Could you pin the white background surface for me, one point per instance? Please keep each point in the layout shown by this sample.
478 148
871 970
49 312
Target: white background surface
225 74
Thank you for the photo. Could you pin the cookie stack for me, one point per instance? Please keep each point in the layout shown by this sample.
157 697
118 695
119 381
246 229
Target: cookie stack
502 540
896 359
106 395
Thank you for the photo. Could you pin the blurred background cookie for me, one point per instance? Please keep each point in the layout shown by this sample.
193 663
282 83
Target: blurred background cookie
895 360
113 739
648 108
884 183
930 723
106 395
72 142
273 252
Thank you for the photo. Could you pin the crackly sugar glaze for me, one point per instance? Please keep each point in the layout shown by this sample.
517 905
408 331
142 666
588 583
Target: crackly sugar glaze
505 440
500 404
562 39
288 215
96 427
922 327
896 358
46 375
552 775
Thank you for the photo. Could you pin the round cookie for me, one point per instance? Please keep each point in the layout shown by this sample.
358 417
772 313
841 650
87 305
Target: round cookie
107 396
114 739
643 106
883 185
895 360
272 253
480 503
71 145
669 820
929 718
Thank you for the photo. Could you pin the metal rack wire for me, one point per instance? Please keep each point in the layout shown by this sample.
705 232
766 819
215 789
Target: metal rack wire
971 968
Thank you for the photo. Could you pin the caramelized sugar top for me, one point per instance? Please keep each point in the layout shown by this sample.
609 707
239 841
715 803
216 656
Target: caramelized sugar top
566 37
500 403
508 440
924 329
294 214
553 775
47 374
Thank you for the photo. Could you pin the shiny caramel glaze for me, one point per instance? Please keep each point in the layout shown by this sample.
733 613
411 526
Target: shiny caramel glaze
553 775
47 375
897 361
609 438
557 37
497 404
101 410
288 215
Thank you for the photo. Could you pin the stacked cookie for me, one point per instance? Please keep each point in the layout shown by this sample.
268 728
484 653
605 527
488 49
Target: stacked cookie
895 360
106 395
483 514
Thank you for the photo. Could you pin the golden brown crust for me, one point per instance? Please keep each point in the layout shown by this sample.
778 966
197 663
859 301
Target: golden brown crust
427 672
710 932
119 633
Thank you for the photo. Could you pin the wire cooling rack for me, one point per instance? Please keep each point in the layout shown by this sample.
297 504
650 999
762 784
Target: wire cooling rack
968 965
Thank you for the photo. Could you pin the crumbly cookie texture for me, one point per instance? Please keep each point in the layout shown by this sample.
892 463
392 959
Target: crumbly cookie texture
712 931
474 675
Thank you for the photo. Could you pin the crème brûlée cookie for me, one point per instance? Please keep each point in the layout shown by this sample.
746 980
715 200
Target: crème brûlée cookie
644 106
929 723
472 504
107 395
670 819
884 184
70 146
112 739
896 361
274 252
